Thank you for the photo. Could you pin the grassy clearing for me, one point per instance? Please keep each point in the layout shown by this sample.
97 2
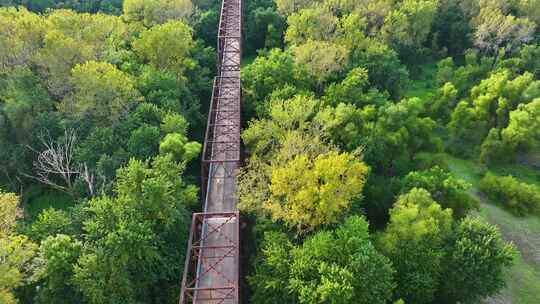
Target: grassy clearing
523 283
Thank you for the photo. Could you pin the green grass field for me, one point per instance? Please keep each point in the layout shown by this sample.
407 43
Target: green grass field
523 284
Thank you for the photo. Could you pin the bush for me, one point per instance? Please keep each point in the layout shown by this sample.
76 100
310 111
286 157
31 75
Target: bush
519 198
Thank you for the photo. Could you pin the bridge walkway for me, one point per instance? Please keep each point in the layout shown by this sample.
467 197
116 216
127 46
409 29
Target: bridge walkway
211 273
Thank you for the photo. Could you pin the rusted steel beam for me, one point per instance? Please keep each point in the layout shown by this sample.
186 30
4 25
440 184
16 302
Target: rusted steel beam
211 271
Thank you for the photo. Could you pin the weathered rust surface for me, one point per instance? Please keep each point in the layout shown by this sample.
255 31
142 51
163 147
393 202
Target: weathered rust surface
211 273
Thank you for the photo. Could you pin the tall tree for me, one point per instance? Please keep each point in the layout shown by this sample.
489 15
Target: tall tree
167 46
445 189
413 240
157 11
134 238
311 24
17 250
306 193
495 31
322 60
101 92
329 267
410 23
480 247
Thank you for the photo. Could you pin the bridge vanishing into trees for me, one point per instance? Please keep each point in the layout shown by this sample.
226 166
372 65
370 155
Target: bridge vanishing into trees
211 273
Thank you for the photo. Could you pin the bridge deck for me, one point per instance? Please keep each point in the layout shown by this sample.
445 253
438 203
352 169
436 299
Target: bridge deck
212 260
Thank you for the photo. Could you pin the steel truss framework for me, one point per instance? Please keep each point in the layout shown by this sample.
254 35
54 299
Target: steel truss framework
212 259
203 260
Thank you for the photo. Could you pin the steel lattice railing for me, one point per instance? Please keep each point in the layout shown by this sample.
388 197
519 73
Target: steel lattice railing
211 273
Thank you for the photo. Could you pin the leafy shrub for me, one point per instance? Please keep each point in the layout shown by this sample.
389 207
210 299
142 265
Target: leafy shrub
518 197
448 191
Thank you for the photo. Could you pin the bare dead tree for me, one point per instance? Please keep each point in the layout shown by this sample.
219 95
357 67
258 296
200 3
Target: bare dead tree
56 168
88 178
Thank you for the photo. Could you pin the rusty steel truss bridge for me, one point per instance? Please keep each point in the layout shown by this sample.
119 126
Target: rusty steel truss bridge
211 272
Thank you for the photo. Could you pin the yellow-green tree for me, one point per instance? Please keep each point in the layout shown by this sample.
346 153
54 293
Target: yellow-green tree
17 251
414 242
152 12
101 91
523 131
20 36
72 39
321 59
308 193
313 23
410 23
9 212
167 46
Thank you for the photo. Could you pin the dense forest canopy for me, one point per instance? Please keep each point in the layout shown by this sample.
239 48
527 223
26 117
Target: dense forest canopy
388 145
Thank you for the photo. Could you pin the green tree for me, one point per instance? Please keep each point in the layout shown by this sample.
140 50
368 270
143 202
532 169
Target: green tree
329 267
49 223
493 150
135 238
490 104
444 102
157 11
463 129
354 89
523 130
413 240
316 24
401 131
73 39
529 9
24 98
164 89
167 46
101 92
264 137
347 125
266 74
20 37
466 76
264 27
57 258
144 142
17 251
445 189
287 7
174 123
410 23
321 60
384 67
520 198
177 145
451 27
480 247
495 31
496 96
341 267
272 270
